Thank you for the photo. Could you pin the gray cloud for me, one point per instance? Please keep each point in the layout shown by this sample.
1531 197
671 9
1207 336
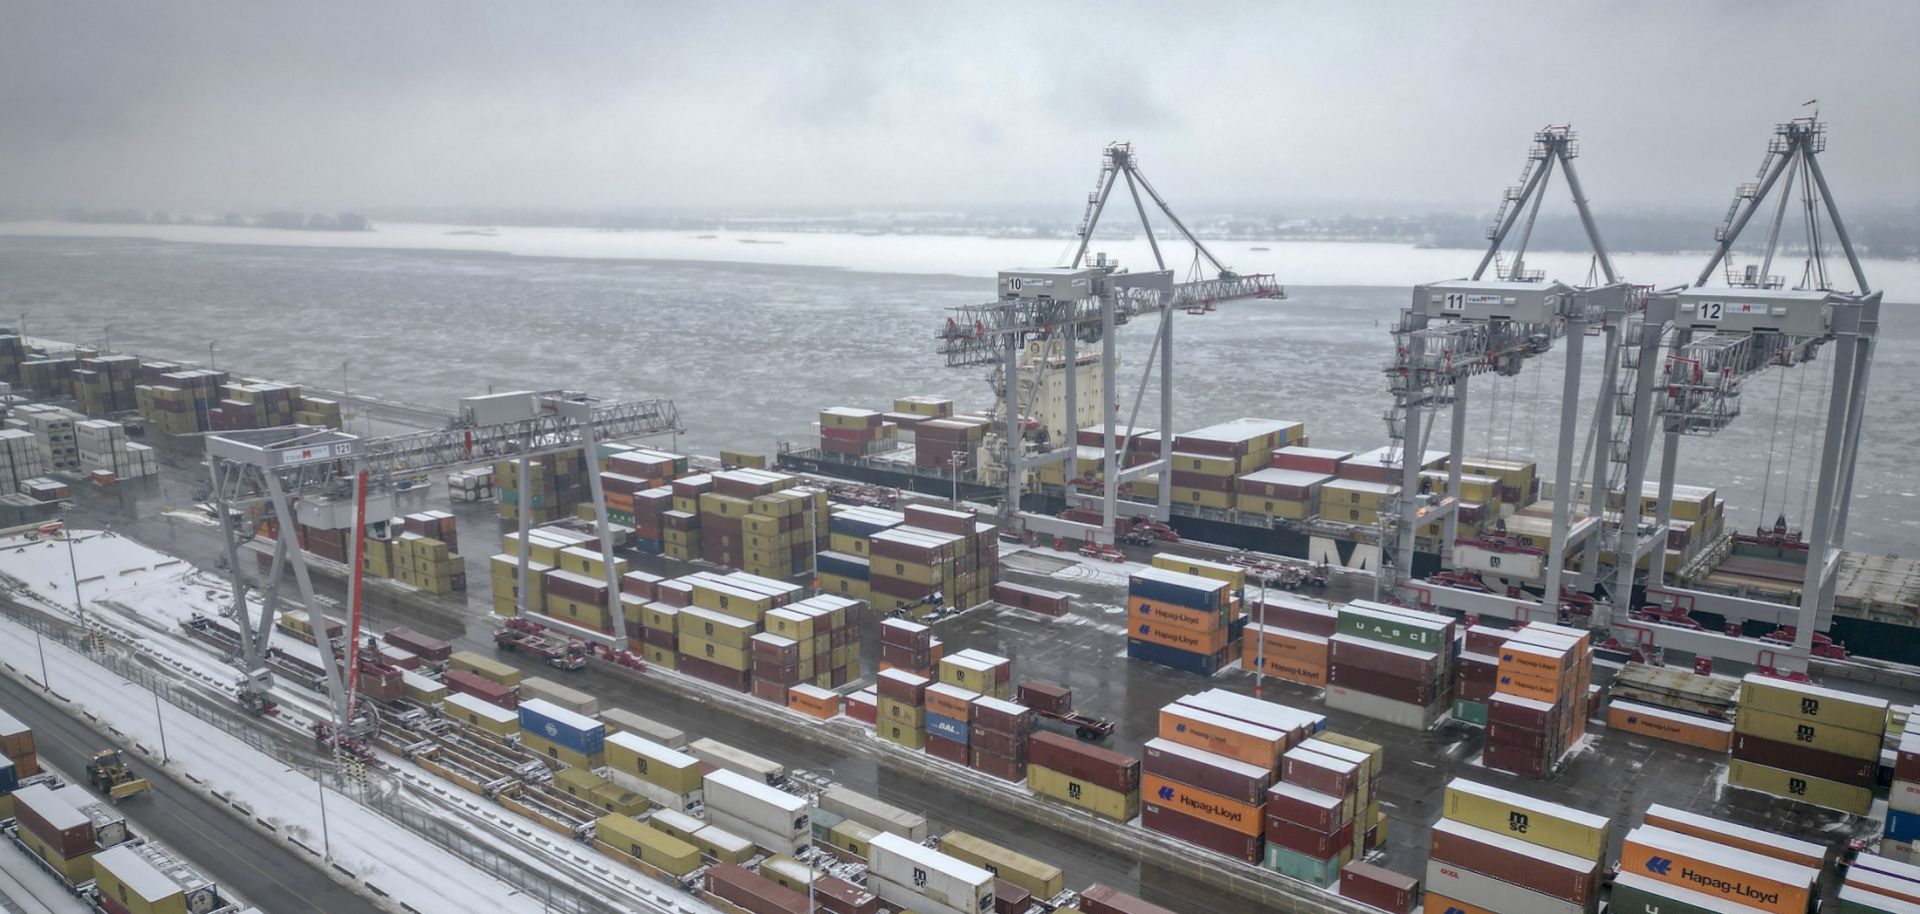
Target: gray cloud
206 105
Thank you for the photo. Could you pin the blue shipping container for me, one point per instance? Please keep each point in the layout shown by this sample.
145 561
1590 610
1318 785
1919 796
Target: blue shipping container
855 526
947 727
1165 587
647 547
550 722
1903 826
1204 664
9 776
844 565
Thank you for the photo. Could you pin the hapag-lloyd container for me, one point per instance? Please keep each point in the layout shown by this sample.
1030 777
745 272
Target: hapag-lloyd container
944 879
1295 722
1238 740
1213 808
1237 781
1673 726
1733 834
1201 832
1488 893
1714 869
1529 866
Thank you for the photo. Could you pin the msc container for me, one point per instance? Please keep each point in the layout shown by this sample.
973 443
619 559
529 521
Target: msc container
478 712
1550 825
1673 726
1100 899
1202 832
1237 781
756 804
872 813
431 650
1529 866
562 727
1042 880
1485 892
1714 869
1798 786
1120 806
52 817
1813 703
738 761
753 892
1802 731
572 699
487 690
620 720
673 854
1103 767
485 668
938 877
672 777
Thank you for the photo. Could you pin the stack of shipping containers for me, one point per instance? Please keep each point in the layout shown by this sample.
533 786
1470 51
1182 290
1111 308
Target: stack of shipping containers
978 671
1538 710
760 522
949 715
1288 638
853 432
1807 743
846 566
560 735
1202 798
908 646
555 483
1325 811
1500 852
998 736
936 441
178 403
19 460
1391 664
913 877
1098 780
1666 870
1179 620
1876 884
680 528
902 708
1903 801
1208 462
52 827
771 818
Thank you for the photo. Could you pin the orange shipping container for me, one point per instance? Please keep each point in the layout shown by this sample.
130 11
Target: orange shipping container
1733 834
1148 612
1438 902
1238 740
1180 638
1201 804
1536 660
1673 726
1301 668
947 700
1525 685
1713 869
617 501
813 701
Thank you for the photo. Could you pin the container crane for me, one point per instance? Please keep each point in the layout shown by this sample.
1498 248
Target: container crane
1725 336
282 467
1457 329
1083 302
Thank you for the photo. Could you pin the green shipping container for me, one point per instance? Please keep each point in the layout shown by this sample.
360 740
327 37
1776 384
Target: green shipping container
1405 633
1636 895
1322 873
620 517
1470 712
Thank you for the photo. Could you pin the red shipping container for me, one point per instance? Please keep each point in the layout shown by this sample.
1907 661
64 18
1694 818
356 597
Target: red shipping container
949 750
1010 745
1906 766
1046 602
1045 696
1521 712
1213 773
69 843
1486 640
861 707
1002 717
1100 899
838 896
898 587
1000 766
781 651
1472 667
1324 773
660 637
1200 832
910 635
1820 763
1474 691
1319 811
1401 663
707 671
905 658
770 691
1374 682
1093 764
1514 861
1520 738
782 673
901 686
1382 888
432 650
1010 899
484 689
753 892
1518 761
1296 614
1303 840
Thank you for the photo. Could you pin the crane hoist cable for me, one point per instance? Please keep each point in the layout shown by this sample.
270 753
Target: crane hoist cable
1773 442
1806 492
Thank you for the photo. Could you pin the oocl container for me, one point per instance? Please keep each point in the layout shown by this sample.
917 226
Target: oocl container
935 876
1485 893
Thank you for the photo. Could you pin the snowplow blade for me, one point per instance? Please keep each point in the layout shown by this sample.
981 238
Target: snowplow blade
126 789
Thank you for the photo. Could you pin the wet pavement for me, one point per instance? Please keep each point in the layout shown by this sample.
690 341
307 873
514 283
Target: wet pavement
1613 775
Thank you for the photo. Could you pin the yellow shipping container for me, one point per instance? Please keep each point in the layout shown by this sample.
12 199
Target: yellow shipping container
591 615
662 657
1549 825
743 459
852 837
676 771
1043 880
1803 787
725 505
1274 507
134 884
650 845
1376 754
716 627
587 561
847 543
909 736
1234 575
899 712
75 869
1120 807
1814 704
1349 493
732 658
484 668
1800 731
722 845
1188 495
485 715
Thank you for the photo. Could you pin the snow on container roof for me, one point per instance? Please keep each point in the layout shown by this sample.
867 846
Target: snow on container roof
1277 476
1234 431
134 872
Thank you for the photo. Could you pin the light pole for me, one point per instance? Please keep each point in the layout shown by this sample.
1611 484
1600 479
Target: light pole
159 720
959 459
210 355
41 645
1260 646
74 566
344 424
320 785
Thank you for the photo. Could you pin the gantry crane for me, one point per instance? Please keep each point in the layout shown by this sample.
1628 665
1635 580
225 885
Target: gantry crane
1725 336
1082 302
282 466
1456 329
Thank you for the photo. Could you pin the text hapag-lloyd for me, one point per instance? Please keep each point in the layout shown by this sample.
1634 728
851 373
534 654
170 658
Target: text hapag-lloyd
1187 799
1724 887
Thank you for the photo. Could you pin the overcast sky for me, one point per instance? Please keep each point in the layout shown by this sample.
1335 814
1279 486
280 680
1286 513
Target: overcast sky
334 105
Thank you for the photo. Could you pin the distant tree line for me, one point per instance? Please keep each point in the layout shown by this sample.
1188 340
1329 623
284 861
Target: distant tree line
306 222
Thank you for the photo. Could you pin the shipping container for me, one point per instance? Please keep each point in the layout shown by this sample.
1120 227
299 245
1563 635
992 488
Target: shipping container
1237 781
1313 870
1239 740
721 755
1194 802
1297 723
1391 625
53 817
556 724
1798 786
757 804
1801 731
873 813
1120 806
1511 859
1549 825
1042 880
1673 726
128 882
571 699
1398 713
1813 704
1634 894
1733 834
1201 831
753 892
1100 899
1314 770
1687 862
432 650
1379 887
1487 893
1832 766
1307 841
492 670
620 720
650 845
478 712
853 837
1104 767
1323 812
935 876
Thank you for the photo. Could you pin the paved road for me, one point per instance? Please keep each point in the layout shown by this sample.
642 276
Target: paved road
278 880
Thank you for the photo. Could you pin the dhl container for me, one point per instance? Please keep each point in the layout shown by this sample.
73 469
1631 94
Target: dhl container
1510 859
1549 825
1803 787
1244 818
1673 726
1041 879
647 844
852 837
1814 704
1733 834
1239 740
1112 804
1716 870
1803 731
492 670
480 713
